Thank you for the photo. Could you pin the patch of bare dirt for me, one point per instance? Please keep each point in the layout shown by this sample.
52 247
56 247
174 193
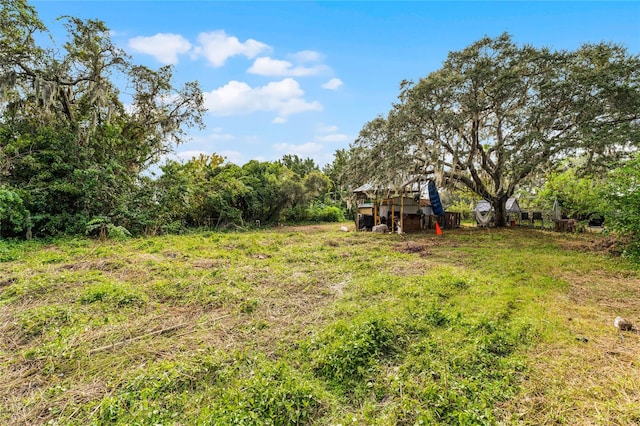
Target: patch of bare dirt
173 255
611 245
411 247
149 257
7 282
423 245
332 243
306 229
618 292
104 265
408 269
208 263
338 288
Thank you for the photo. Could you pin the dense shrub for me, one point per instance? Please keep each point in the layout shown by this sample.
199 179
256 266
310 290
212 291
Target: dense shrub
622 196
14 217
327 214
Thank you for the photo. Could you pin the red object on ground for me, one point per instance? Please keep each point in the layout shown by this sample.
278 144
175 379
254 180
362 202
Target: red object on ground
438 230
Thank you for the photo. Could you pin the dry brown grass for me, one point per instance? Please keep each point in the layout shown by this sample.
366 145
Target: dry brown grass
590 374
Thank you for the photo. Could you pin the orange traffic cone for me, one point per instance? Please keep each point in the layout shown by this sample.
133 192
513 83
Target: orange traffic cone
438 230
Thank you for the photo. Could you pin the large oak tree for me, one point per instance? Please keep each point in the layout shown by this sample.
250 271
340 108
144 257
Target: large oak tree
497 113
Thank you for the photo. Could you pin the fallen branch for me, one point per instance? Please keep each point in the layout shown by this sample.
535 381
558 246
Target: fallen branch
152 334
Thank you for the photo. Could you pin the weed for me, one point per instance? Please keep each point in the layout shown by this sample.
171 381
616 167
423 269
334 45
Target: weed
160 393
248 306
36 321
116 294
345 354
271 394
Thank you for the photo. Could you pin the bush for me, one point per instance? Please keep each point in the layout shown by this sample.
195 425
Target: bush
326 214
14 217
623 205
295 214
175 227
102 228
319 213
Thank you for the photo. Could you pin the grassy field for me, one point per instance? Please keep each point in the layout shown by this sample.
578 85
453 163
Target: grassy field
312 325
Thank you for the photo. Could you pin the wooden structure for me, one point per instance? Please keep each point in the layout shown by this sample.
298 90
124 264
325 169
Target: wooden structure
393 211
530 218
403 208
537 216
450 220
564 225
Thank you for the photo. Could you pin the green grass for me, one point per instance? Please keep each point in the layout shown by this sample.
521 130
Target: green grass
311 325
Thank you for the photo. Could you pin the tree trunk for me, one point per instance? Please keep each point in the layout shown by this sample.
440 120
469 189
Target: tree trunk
500 211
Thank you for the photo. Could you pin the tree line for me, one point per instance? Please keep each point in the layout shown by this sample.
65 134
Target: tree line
76 148
498 119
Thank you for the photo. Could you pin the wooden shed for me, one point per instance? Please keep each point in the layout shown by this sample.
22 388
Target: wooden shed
403 207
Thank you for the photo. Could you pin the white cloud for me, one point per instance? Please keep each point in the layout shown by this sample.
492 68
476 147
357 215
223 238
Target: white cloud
252 139
306 56
278 68
234 157
332 84
114 33
164 47
301 150
333 137
324 128
216 135
297 105
220 137
329 134
283 97
217 47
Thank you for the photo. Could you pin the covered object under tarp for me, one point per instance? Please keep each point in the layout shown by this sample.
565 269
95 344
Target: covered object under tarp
511 205
484 210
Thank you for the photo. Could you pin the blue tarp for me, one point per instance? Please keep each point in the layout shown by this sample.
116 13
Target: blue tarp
434 197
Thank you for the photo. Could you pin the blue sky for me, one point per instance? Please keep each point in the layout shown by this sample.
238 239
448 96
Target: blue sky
304 77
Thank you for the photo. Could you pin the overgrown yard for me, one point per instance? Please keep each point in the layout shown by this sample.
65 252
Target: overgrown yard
312 325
